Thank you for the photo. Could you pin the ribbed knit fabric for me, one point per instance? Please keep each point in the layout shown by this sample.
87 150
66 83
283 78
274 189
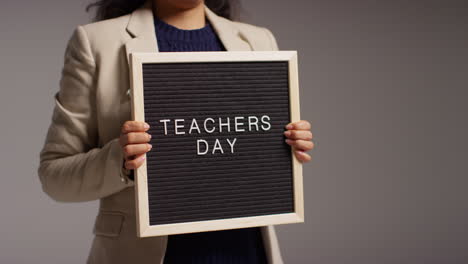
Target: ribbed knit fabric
171 38
236 246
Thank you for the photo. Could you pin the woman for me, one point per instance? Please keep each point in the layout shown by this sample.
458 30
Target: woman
92 146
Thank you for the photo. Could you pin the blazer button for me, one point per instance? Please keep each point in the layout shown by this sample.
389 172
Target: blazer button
129 94
123 179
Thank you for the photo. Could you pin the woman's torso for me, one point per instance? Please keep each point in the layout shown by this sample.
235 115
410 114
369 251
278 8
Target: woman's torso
110 42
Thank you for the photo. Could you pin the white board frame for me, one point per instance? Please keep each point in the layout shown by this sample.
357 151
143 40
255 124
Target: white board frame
144 229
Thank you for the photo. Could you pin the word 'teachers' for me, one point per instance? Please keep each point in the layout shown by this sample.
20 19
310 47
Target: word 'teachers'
221 125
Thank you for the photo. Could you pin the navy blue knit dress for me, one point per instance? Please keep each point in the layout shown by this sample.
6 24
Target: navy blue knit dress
237 246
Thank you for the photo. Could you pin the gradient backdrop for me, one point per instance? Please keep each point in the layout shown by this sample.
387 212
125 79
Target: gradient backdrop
384 84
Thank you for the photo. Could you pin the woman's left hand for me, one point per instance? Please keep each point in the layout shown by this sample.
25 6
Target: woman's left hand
299 137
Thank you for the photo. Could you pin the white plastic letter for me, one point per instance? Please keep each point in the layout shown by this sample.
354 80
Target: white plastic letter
204 125
217 145
253 123
164 121
198 147
194 125
221 124
268 125
237 124
179 126
231 144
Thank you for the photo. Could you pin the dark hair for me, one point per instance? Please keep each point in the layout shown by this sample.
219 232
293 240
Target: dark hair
106 9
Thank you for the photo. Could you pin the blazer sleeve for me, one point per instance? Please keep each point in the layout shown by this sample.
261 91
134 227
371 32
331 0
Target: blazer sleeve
72 166
272 39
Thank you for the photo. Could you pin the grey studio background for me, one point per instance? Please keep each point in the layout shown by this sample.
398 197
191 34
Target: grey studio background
384 84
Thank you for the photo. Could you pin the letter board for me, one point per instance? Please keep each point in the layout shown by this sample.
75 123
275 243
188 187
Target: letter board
219 159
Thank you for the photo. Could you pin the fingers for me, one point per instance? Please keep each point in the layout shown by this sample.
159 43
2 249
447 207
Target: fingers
134 141
134 126
302 156
134 138
299 125
135 163
136 149
298 134
305 145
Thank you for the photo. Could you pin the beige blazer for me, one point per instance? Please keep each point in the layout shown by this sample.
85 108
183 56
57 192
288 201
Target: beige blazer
81 159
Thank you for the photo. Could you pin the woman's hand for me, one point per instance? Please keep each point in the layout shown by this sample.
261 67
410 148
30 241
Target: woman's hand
134 142
300 138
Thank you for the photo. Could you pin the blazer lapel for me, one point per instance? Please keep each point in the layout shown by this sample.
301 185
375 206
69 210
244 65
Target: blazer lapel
144 39
141 28
227 32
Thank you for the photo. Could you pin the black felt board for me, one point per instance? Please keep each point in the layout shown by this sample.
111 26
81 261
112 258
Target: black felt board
254 180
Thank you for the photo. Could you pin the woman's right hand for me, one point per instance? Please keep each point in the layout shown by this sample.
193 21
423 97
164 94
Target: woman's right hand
134 142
